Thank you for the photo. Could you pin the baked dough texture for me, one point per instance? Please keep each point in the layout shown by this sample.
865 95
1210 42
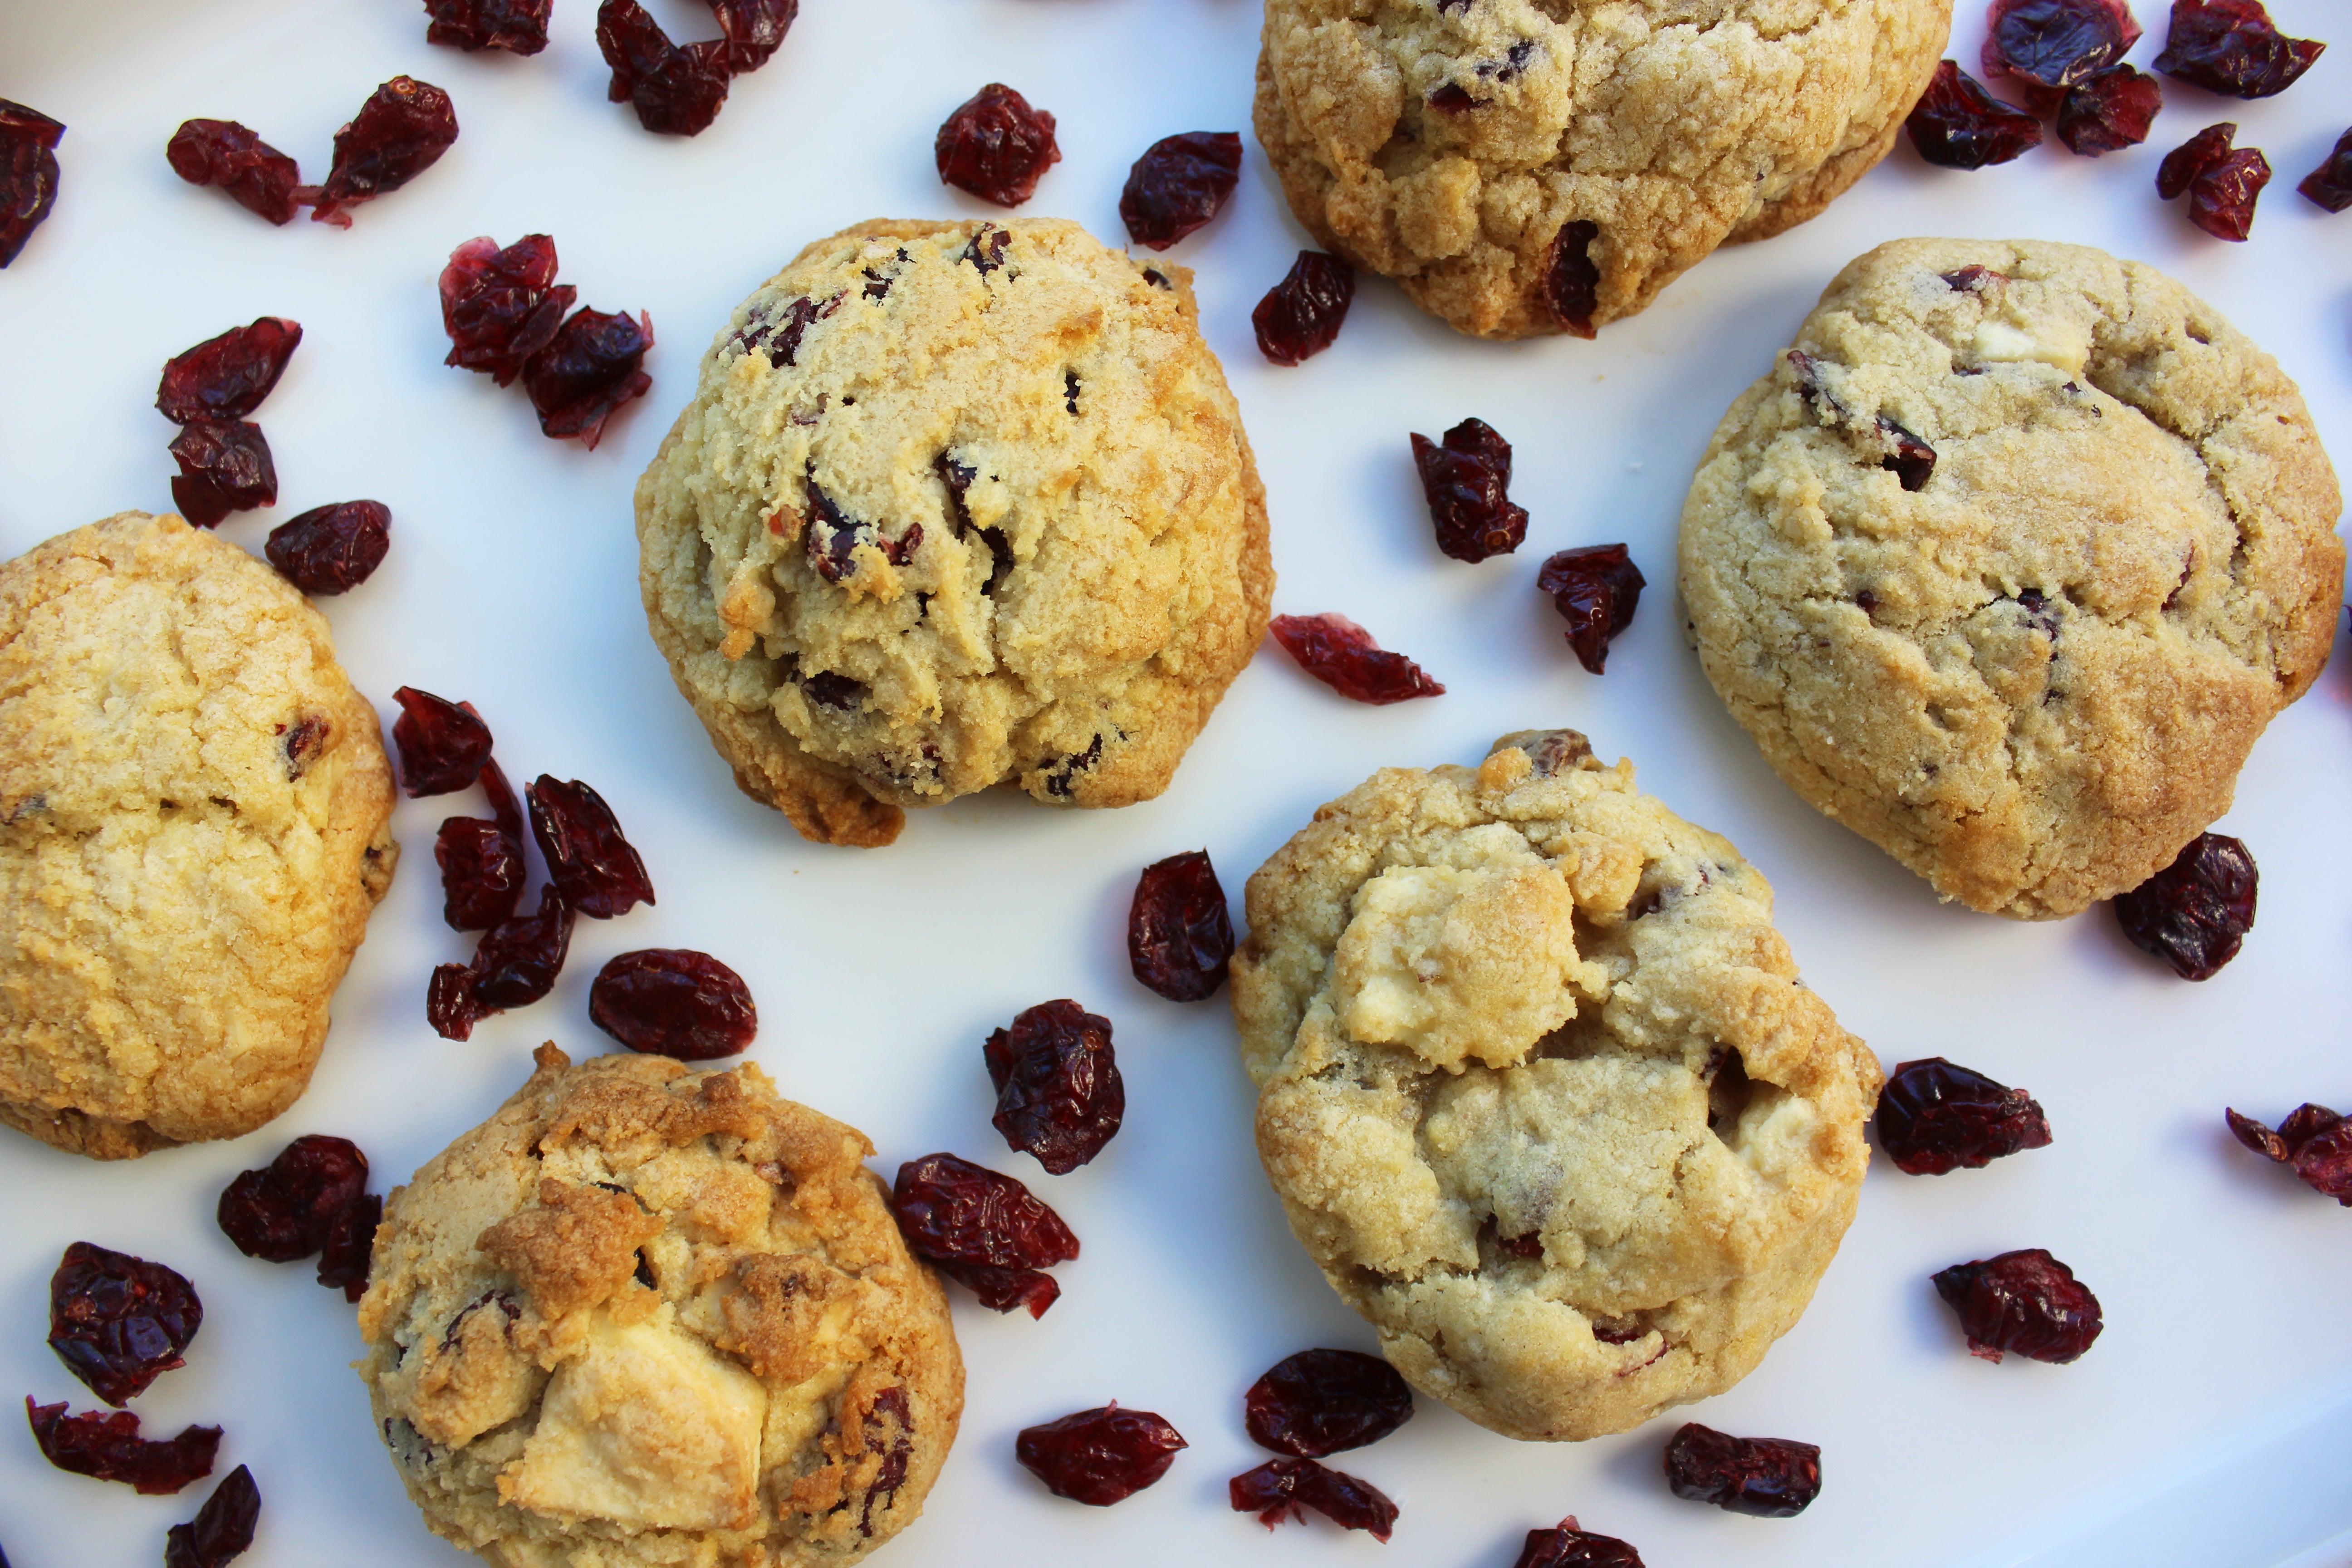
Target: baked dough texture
645 1315
1539 1089
195 811
2034 680
955 505
1453 144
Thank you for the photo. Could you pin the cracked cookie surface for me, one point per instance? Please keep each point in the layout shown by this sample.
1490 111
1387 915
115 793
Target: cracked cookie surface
645 1315
1539 1091
956 505
195 811
2034 676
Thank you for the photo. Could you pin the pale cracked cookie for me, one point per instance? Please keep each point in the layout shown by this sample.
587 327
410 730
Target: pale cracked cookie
956 505
1524 166
1541 1091
2008 561
645 1315
195 811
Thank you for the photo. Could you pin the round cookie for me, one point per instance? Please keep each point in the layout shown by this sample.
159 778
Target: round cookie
955 505
1539 1089
645 1315
1526 166
195 811
2008 561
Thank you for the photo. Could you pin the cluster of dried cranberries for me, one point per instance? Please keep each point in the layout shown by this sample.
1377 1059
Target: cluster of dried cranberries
504 312
1307 1406
28 173
986 1231
677 89
312 1198
2222 181
207 391
2313 1140
1342 655
399 132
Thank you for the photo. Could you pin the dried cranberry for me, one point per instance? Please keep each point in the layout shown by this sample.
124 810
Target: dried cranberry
1572 279
500 306
1957 124
2025 1301
282 1212
517 26
28 173
1099 1457
399 132
2194 914
1320 1402
1569 1547
225 467
587 857
222 1529
107 1446
1058 1092
1912 462
481 862
1770 1478
1596 589
997 146
221 152
2048 46
2231 48
2330 184
443 744
514 965
1465 482
985 1229
2108 110
1935 1117
350 1246
673 1001
1300 316
1179 934
226 377
1340 654
752 30
594 364
677 92
1180 184
1291 1487
2221 198
329 549
118 1321
2193 157
449 1004
2313 1140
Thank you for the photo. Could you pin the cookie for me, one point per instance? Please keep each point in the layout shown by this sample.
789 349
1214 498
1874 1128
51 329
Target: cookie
647 1315
1522 167
2008 562
195 811
956 505
1541 1091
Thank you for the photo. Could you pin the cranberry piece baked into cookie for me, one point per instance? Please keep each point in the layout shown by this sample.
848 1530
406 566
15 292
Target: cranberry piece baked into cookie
647 1315
193 828
2033 676
955 505
1523 166
1539 1091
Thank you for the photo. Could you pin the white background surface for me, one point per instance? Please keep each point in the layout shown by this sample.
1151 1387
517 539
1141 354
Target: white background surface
2207 1426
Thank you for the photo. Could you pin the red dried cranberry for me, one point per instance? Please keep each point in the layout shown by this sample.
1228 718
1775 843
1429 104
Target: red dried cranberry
481 861
1572 279
1569 1547
1340 654
107 1446
752 30
221 152
2231 48
677 92
514 965
1300 316
1058 1092
594 364
997 146
350 1246
517 26
399 132
2048 46
2221 198
2194 914
226 377
443 744
1912 462
1180 184
2193 157
2330 184
587 857
1935 1117
2108 110
329 549
1957 124
2313 1140
1099 1457
1291 1487
673 1001
222 1529
1770 1478
28 173
2305 1123
283 1211
225 467
1596 590
118 1321
986 1230
1179 934
500 306
1465 482
2026 1302
1320 1402
449 1004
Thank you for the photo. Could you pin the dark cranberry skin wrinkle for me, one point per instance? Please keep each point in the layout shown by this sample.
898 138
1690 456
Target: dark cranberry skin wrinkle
1766 1478
594 364
350 1246
221 152
443 744
225 467
222 1529
1340 654
2330 184
118 1321
997 146
1099 1457
1180 184
399 132
1465 482
673 1001
1058 1092
2048 46
1596 589
28 173
1179 933
106 1446
2026 1302
1935 1117
2231 48
500 306
331 549
2312 1140
587 857
1957 124
517 26
2195 912
675 91
226 377
283 1211
2108 110
1301 316
1569 1547
751 31
1321 1402
1281 1487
